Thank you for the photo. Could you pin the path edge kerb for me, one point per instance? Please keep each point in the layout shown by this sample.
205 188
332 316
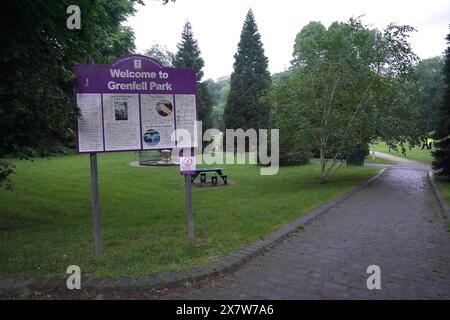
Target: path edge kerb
440 197
172 280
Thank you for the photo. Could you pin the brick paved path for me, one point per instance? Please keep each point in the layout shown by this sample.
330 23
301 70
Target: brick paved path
393 223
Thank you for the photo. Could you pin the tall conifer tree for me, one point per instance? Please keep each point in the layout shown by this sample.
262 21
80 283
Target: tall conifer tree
188 56
246 105
442 134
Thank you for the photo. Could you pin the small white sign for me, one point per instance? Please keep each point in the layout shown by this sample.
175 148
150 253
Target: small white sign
137 64
187 165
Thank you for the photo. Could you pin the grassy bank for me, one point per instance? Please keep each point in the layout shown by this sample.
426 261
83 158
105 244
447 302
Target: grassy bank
444 186
377 160
415 153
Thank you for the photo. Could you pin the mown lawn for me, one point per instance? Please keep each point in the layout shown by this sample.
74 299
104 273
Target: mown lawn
444 186
45 222
377 160
415 153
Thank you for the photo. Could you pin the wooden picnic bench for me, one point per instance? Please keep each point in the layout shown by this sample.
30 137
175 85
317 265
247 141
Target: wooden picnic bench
203 171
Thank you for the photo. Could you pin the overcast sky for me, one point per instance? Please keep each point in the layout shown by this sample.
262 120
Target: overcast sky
217 25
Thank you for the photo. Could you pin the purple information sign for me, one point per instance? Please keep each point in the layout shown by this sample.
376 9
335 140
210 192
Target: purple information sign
134 104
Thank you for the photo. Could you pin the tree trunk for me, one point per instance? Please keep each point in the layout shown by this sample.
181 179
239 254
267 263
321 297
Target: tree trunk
322 165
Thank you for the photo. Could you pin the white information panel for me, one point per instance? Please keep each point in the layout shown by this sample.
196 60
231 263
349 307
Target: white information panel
121 122
185 119
135 121
157 116
90 126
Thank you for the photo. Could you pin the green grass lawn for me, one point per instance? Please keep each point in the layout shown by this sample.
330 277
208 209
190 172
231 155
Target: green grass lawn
444 186
377 160
415 153
45 222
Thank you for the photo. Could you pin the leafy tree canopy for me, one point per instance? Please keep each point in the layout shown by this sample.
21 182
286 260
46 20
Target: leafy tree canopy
349 86
219 93
37 55
161 54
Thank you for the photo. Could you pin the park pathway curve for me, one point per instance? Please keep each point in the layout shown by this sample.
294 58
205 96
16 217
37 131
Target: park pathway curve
394 223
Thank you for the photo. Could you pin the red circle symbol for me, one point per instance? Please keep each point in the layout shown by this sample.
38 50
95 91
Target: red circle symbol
188 162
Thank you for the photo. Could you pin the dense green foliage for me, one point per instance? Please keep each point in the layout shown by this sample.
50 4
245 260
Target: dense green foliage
160 54
37 55
276 77
444 186
442 134
219 94
247 106
205 102
189 56
430 81
416 153
219 90
6 170
349 85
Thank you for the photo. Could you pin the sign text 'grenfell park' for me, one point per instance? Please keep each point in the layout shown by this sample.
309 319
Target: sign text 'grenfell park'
144 85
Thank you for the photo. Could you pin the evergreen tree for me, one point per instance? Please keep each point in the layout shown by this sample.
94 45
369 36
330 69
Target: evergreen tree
188 56
205 102
430 82
442 134
250 82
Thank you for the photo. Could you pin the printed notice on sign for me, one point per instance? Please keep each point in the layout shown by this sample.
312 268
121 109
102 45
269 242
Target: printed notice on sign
185 118
157 114
90 129
187 165
121 121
